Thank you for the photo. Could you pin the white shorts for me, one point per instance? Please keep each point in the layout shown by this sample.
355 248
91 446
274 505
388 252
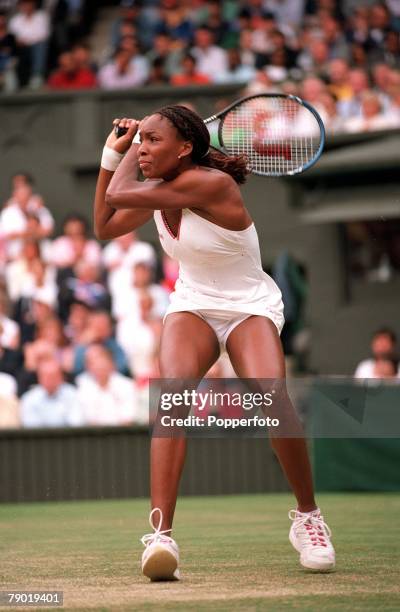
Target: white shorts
223 322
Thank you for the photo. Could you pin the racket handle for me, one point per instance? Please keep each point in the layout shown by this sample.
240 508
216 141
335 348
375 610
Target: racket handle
120 131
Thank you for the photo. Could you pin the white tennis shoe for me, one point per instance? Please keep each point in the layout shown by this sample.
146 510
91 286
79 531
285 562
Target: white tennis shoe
161 554
311 537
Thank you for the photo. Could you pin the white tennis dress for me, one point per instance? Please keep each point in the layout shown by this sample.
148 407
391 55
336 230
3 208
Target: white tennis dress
220 273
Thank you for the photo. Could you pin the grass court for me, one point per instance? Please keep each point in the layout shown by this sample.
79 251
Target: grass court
235 554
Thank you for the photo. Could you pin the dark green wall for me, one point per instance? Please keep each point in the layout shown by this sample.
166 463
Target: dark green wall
114 463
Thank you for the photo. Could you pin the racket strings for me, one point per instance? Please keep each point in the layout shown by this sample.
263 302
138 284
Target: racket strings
278 135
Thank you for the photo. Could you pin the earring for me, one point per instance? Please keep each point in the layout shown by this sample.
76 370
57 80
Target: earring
179 156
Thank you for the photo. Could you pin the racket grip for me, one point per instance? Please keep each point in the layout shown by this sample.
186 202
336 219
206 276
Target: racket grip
120 131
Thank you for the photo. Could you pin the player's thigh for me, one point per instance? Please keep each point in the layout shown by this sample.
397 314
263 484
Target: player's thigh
255 349
189 346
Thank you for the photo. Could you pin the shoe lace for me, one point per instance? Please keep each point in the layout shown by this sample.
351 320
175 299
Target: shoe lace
157 535
311 528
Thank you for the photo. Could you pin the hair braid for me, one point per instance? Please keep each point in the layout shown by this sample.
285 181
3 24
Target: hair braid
191 127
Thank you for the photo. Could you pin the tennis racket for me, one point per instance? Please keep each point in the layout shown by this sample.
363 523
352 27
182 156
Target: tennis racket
281 135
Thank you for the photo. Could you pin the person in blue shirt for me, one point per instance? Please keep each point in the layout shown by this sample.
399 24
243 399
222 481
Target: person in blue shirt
53 402
100 331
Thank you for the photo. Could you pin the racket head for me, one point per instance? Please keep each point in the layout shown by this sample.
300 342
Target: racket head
280 134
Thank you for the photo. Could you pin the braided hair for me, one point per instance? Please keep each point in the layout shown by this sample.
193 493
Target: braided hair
191 127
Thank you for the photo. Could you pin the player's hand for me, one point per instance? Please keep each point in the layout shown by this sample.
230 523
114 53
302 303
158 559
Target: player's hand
123 143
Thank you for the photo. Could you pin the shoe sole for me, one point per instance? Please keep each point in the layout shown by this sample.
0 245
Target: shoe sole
161 565
329 567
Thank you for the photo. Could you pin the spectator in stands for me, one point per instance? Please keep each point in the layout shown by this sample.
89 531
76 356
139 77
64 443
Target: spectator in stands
70 76
386 367
9 408
358 56
391 50
383 344
142 16
84 285
189 74
126 301
165 48
382 78
140 338
379 26
211 60
262 25
288 14
25 179
332 120
279 43
313 90
261 84
222 29
334 37
157 74
76 325
34 231
127 69
10 356
358 81
31 312
9 329
8 54
372 116
120 254
74 243
14 223
175 24
314 58
339 84
53 402
394 108
247 55
126 28
107 397
100 331
50 341
31 28
236 72
29 276
83 58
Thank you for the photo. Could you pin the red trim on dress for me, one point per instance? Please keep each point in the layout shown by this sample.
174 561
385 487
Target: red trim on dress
171 233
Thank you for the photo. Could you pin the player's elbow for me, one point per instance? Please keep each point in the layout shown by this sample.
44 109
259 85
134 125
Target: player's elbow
119 200
109 198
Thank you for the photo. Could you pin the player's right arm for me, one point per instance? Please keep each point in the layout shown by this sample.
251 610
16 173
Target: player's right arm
108 222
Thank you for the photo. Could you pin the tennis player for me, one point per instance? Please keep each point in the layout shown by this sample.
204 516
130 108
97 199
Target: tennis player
222 299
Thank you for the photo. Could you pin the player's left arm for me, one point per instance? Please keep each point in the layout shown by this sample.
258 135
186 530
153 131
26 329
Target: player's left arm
195 188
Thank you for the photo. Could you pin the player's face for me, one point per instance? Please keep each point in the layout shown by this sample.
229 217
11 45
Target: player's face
160 146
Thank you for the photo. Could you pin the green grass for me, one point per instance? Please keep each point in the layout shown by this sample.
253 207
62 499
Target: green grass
235 554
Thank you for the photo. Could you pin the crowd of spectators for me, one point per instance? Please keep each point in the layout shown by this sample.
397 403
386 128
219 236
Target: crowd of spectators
343 57
79 324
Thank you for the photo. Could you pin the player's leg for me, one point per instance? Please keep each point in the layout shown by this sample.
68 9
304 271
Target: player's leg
255 351
189 347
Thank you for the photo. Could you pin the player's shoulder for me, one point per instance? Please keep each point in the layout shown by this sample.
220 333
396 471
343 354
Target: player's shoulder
206 178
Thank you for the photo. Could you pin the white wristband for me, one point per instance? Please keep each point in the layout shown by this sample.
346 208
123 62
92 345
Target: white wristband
110 159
